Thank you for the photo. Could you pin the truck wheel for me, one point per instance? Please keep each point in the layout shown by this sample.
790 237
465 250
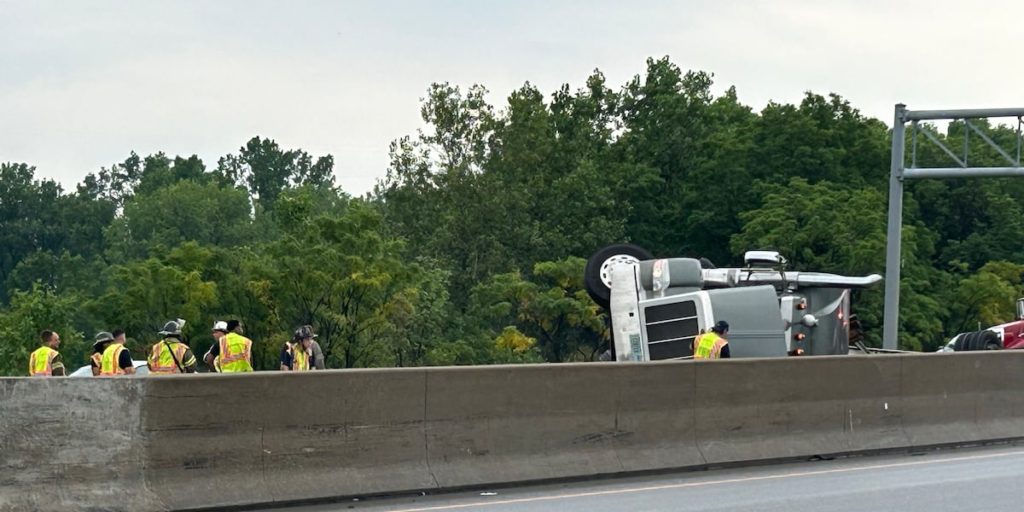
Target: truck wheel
982 339
989 340
977 340
597 274
973 341
961 345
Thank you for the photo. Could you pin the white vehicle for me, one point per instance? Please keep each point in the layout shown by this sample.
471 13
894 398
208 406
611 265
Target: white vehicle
141 368
659 307
948 347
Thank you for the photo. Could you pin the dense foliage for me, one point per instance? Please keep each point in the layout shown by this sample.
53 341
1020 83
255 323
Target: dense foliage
471 249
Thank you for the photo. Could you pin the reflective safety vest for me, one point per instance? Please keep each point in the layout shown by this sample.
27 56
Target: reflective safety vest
160 360
709 346
40 362
235 353
300 358
97 360
109 362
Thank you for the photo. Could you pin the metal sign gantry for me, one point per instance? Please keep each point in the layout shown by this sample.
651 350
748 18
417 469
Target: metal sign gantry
898 172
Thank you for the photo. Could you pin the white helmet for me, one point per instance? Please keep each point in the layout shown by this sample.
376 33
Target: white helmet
220 325
172 328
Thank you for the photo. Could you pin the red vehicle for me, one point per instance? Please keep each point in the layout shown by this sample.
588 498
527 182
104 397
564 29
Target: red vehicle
1003 336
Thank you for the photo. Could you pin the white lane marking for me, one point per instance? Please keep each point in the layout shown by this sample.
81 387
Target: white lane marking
709 482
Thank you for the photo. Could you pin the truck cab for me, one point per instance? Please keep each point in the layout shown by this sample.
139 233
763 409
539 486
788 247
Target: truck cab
658 307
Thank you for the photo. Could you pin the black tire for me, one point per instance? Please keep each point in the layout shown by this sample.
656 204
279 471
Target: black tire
973 343
977 340
988 340
982 339
960 345
595 274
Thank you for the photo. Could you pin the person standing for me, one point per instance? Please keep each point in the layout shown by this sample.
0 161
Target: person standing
297 354
45 361
318 354
713 345
116 360
233 349
102 339
220 328
171 355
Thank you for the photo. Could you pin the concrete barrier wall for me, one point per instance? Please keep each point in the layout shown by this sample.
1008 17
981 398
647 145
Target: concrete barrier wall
748 410
510 424
71 445
188 442
215 440
968 397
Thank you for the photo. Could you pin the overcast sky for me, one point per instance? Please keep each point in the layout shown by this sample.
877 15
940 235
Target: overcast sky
84 83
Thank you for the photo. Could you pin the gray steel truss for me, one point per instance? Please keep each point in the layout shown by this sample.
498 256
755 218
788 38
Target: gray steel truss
899 172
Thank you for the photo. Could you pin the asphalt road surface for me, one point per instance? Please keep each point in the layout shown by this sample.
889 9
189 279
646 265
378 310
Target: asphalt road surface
975 479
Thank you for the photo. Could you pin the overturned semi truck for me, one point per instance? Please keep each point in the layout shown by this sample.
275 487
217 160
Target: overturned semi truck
658 307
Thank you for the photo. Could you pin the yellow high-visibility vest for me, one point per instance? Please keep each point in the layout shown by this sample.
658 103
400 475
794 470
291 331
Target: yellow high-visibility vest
40 362
109 362
300 359
160 360
709 346
235 353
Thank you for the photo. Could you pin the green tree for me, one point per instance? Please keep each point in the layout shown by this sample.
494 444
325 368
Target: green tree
265 170
665 124
830 228
989 296
481 192
553 309
116 184
346 278
30 216
30 312
143 295
822 139
184 211
243 277
64 272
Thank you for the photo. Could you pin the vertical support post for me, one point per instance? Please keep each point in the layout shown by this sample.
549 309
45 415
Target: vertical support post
913 145
1018 140
967 138
893 259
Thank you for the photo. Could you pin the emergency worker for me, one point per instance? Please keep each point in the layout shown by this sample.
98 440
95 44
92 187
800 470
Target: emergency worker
171 355
233 349
318 354
45 361
220 328
713 345
102 339
297 354
116 359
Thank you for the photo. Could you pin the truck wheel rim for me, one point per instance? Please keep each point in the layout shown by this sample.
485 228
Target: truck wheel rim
606 267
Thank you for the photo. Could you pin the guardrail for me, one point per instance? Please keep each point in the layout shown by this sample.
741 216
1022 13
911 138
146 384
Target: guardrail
192 442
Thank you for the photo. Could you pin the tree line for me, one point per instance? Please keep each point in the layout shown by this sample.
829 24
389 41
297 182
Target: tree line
471 249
